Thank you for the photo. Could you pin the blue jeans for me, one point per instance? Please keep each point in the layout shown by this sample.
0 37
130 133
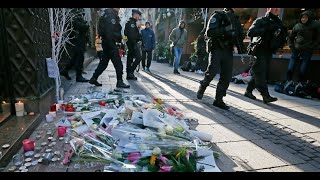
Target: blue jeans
305 59
177 57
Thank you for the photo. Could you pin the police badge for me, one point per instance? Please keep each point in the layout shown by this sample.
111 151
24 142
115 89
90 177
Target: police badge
113 21
213 20
132 25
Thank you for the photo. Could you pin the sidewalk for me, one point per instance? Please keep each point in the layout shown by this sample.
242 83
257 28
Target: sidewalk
252 136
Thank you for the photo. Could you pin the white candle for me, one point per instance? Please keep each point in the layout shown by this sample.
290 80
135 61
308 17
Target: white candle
53 113
19 108
58 107
5 107
49 118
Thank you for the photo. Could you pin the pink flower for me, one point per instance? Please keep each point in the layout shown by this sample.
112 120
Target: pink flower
188 154
165 168
164 159
134 157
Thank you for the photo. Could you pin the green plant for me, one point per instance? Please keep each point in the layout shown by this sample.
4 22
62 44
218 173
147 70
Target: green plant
167 54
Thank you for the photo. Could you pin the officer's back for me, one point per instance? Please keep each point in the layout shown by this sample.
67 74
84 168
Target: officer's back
109 26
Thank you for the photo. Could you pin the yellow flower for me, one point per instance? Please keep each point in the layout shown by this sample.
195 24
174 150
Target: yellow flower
153 159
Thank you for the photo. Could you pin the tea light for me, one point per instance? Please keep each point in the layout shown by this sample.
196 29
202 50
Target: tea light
37 155
48 150
28 160
29 154
43 144
22 168
61 138
53 139
12 168
38 136
49 118
40 160
50 138
31 113
19 108
53 113
33 163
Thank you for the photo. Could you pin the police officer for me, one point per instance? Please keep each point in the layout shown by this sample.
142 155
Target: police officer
223 30
79 41
132 32
109 29
272 34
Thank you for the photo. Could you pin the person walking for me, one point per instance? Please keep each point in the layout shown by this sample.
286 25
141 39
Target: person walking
109 29
148 45
178 36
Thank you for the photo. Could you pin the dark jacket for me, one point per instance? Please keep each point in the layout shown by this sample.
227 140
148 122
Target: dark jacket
218 33
109 27
132 32
81 29
266 28
304 37
148 39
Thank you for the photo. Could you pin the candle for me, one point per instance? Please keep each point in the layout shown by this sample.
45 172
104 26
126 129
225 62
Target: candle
102 103
28 145
62 131
53 107
19 108
49 118
5 107
53 113
57 107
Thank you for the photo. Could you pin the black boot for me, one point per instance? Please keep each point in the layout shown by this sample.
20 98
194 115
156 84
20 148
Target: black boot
269 99
201 90
176 71
220 104
94 82
249 95
65 74
121 84
130 76
81 79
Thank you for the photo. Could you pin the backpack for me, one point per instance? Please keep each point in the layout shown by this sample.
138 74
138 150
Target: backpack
186 66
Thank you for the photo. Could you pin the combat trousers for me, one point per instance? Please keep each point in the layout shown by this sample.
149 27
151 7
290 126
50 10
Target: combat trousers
148 54
133 53
110 51
219 59
260 71
77 59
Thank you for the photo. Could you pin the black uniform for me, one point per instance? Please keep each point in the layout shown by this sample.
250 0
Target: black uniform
273 36
109 29
79 41
222 34
132 32
202 61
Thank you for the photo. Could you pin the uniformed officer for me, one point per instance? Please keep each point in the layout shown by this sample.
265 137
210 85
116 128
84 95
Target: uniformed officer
78 49
109 29
223 30
132 32
272 34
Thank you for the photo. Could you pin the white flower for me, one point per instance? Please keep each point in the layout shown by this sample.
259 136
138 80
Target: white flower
117 154
169 129
156 151
121 119
143 147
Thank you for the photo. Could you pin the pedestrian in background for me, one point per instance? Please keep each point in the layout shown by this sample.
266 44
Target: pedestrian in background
98 45
178 36
134 37
148 45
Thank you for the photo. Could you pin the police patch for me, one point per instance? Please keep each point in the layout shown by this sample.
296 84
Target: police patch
132 25
113 21
213 20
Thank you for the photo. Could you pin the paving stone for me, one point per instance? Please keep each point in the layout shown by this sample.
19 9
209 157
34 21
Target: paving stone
289 149
306 158
296 168
315 164
306 153
309 149
297 148
317 159
251 155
